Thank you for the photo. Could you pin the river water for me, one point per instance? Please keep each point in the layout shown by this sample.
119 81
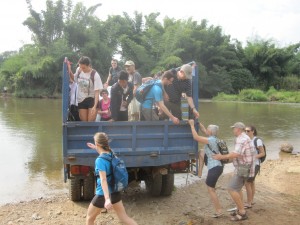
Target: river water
31 139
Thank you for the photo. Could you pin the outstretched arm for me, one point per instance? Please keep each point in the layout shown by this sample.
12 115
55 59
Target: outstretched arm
167 112
192 105
203 140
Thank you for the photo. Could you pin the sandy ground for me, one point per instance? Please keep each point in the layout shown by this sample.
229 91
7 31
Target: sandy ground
277 202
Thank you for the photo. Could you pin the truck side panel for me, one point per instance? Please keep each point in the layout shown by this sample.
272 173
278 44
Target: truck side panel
139 144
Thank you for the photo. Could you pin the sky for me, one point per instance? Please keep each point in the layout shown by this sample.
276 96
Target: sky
241 19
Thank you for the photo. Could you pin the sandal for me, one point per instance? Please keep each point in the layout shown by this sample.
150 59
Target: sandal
239 217
234 213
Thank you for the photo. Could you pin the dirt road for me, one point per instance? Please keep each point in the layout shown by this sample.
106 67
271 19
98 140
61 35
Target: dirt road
277 202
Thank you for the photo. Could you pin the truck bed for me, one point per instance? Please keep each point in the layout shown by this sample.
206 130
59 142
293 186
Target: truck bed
139 144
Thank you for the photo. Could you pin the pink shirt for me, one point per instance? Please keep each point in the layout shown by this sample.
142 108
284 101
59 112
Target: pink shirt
105 106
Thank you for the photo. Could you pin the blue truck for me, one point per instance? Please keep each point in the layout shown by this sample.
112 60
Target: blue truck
153 151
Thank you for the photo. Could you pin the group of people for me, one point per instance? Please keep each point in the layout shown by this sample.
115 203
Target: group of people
246 154
165 95
162 102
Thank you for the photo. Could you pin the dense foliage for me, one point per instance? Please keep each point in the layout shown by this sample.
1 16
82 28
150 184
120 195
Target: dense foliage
64 29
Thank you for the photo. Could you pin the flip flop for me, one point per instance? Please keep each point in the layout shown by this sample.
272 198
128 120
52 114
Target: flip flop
217 215
232 209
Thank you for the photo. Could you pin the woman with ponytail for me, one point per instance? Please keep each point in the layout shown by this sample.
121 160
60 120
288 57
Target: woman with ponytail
104 197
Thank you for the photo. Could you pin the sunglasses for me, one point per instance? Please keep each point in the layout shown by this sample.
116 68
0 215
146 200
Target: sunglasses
247 131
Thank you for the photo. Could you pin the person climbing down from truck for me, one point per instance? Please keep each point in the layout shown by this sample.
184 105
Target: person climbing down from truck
215 167
182 83
104 197
155 96
89 85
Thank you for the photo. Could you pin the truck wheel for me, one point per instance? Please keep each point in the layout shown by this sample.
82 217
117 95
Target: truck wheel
88 188
167 184
75 189
153 184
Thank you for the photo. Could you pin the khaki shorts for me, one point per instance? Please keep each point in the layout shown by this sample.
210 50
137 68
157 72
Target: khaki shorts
236 183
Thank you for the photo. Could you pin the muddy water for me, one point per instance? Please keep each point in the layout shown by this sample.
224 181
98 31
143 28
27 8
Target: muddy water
30 146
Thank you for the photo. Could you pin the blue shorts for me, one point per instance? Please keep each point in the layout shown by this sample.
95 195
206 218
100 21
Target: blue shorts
99 200
213 176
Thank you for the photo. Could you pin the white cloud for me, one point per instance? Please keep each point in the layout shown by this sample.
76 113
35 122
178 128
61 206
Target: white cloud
241 19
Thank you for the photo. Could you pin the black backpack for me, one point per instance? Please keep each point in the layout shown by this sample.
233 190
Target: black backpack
223 149
262 159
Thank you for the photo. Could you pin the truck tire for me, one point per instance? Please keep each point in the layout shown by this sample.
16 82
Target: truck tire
75 189
88 188
167 184
154 184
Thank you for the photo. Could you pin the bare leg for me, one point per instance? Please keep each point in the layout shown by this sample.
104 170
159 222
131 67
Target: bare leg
236 197
83 114
92 213
201 163
215 200
91 115
248 186
121 213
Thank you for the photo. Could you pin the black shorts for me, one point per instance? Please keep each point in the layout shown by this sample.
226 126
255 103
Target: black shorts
87 103
99 200
213 176
251 179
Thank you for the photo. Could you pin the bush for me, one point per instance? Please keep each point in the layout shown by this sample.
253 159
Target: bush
225 97
252 95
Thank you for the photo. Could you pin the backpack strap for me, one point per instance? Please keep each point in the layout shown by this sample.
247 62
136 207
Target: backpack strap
257 150
92 74
255 143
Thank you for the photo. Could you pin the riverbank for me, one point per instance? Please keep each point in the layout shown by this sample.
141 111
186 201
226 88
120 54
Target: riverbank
277 202
255 95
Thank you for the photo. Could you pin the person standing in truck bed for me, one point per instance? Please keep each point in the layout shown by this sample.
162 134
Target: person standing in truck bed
121 95
89 85
182 83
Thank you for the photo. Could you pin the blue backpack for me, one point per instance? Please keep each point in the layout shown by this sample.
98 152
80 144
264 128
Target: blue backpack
143 90
119 179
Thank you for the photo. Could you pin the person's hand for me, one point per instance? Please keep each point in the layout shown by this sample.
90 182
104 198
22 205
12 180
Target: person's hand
91 145
108 204
105 85
175 120
94 110
196 114
191 122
